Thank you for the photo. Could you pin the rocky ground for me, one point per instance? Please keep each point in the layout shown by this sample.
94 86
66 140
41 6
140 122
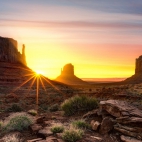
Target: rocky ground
118 118
113 121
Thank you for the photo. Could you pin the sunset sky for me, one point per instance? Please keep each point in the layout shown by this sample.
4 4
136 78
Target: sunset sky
101 38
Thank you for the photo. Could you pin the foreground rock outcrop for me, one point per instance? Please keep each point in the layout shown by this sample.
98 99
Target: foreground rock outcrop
118 116
67 76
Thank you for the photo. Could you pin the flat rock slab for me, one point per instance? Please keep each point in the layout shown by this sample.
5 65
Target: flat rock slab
34 140
45 132
120 108
35 128
129 139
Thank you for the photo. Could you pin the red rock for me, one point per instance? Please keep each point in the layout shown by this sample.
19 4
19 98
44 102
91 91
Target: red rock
45 132
106 125
129 139
91 114
35 128
40 120
51 139
34 140
95 125
120 108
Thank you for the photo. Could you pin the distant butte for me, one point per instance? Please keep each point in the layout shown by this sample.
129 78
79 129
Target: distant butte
67 76
137 77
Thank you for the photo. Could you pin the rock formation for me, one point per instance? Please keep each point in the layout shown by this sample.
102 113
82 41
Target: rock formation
138 69
13 66
9 51
67 76
137 77
120 116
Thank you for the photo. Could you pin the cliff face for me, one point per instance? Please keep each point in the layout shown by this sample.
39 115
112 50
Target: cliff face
9 51
12 63
137 77
67 76
138 69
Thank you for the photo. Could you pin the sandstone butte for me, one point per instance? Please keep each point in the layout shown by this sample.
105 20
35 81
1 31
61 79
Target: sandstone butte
67 76
137 77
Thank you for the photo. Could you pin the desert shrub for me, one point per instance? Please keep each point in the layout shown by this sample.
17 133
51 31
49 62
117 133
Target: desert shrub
81 124
14 108
72 134
17 121
32 112
54 107
79 103
57 129
11 138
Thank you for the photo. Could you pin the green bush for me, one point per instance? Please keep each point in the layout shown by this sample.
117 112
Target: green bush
18 121
32 112
54 107
57 129
81 124
72 134
79 104
14 108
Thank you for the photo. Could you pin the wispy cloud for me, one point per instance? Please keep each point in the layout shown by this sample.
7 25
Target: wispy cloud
70 24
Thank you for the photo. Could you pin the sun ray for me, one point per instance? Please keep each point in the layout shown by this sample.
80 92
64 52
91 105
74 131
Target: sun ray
31 85
53 86
42 83
37 92
22 84
30 74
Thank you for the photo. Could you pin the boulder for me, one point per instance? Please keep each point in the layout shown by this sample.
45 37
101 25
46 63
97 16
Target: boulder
45 132
95 125
90 114
120 108
35 128
106 125
128 131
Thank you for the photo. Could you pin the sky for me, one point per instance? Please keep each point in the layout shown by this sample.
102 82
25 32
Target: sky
101 39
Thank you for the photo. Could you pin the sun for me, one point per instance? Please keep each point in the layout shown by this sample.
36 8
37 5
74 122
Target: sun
38 72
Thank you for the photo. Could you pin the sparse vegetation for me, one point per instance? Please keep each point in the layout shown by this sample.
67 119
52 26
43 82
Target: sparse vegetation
54 107
81 124
32 112
57 129
72 134
79 103
12 138
17 121
14 108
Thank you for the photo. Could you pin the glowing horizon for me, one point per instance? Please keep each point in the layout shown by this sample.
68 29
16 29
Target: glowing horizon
101 39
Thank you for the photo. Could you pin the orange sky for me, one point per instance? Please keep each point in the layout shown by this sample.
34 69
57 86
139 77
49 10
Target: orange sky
101 39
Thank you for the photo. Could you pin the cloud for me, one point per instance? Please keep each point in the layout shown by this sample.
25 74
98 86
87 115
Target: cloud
70 24
115 6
